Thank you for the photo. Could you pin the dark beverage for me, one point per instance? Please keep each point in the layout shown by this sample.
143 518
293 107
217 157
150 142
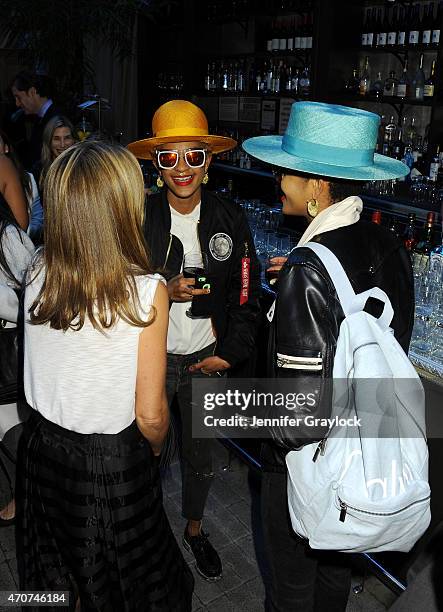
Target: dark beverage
271 278
200 276
201 304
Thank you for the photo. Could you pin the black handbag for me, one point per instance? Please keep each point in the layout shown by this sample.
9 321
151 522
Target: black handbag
9 363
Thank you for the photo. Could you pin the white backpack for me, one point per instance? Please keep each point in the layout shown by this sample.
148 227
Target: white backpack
353 491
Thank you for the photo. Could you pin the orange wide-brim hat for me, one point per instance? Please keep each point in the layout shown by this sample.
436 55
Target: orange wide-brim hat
179 121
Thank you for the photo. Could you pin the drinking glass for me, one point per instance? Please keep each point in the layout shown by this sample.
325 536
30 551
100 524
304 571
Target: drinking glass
195 265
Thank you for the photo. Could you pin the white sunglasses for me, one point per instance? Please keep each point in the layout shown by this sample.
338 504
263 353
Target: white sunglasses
168 159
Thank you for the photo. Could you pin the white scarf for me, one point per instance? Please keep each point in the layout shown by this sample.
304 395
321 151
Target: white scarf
340 214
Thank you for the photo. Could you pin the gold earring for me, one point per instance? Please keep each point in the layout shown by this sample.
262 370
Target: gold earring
312 207
205 179
160 182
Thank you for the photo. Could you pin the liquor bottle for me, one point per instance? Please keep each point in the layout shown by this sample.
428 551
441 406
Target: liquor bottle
435 40
305 83
390 135
377 87
410 134
370 36
398 146
295 82
208 78
402 27
392 32
390 87
384 27
429 87
410 233
365 79
426 242
376 217
434 167
404 83
269 79
288 79
408 159
353 83
414 23
418 83
393 227
426 25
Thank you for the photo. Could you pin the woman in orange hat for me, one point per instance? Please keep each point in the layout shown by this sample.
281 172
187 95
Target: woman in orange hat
212 322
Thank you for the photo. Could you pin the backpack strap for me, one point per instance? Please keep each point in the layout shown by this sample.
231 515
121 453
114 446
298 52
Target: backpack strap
349 300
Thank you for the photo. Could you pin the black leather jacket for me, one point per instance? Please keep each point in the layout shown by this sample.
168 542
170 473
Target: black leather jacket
308 314
235 322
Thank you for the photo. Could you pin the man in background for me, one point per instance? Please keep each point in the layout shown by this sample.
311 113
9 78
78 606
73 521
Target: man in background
33 95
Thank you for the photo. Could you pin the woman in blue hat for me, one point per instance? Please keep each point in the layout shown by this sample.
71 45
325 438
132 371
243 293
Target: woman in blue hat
325 154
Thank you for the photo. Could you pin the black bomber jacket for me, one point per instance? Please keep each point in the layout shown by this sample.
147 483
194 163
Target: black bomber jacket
308 314
225 237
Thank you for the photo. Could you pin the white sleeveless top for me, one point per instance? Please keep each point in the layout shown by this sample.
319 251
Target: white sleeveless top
84 380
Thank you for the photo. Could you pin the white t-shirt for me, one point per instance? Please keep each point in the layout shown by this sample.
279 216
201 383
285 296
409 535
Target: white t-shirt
84 380
186 335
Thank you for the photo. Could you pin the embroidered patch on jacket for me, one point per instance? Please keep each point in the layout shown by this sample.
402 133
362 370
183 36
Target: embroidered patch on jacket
221 246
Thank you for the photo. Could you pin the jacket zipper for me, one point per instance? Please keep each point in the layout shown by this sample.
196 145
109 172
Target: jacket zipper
344 508
299 363
168 250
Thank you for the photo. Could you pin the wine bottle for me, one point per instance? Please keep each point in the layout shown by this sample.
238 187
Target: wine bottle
384 27
401 33
429 87
426 242
290 39
418 83
435 40
370 40
364 34
378 27
376 217
426 25
377 87
410 233
392 32
414 23
391 83
404 83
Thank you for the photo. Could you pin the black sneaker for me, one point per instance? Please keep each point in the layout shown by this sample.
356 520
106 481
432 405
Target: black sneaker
208 562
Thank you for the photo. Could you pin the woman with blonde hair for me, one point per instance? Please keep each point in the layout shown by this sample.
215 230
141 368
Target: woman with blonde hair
89 491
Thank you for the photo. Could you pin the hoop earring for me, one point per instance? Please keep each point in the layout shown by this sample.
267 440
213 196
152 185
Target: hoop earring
160 182
205 179
312 207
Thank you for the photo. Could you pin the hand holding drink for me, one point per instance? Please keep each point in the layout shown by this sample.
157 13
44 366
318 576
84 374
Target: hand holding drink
195 272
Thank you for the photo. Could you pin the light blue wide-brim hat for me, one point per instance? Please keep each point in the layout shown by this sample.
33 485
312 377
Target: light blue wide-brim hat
328 140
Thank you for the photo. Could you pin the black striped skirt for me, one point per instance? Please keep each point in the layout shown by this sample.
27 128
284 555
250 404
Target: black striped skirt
90 518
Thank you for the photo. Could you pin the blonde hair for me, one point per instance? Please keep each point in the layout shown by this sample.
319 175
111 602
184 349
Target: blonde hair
47 157
94 243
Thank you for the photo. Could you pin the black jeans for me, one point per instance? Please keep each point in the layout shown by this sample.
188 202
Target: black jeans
301 579
196 453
